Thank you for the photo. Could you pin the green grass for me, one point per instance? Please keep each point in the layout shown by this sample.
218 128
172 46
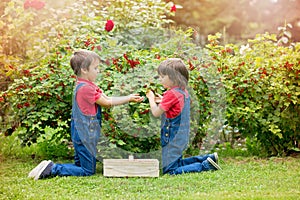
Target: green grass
241 178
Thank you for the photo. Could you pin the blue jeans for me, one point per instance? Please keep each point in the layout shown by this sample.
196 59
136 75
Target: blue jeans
191 164
85 162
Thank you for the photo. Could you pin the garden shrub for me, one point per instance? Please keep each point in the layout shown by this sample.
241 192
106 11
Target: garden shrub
40 97
262 88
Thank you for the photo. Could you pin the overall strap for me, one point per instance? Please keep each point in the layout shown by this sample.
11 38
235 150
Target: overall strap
181 92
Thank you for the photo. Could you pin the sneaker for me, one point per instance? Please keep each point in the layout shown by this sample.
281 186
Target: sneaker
44 171
216 157
33 172
213 163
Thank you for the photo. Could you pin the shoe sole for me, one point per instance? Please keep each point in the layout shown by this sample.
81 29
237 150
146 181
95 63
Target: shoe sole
33 172
214 164
216 157
37 176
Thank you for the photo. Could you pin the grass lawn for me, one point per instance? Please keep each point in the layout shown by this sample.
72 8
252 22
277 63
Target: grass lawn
241 178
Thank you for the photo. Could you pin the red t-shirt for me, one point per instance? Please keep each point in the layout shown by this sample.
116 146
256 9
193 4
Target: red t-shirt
172 102
87 95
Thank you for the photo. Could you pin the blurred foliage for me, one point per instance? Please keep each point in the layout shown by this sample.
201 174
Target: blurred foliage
263 89
237 19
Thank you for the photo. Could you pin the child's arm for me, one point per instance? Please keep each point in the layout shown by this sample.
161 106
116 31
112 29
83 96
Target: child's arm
155 109
106 101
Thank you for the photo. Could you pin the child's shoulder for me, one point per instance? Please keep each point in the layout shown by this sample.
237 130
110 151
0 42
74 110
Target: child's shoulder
88 88
175 93
177 90
86 83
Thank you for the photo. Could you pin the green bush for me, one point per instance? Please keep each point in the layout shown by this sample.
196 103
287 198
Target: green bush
262 88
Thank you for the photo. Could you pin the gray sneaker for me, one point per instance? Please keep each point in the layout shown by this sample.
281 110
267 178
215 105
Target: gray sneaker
44 171
213 163
33 172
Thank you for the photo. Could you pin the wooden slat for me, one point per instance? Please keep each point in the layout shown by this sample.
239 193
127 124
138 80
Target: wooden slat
130 167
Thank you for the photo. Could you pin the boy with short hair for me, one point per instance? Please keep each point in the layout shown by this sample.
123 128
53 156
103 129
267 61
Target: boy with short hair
88 99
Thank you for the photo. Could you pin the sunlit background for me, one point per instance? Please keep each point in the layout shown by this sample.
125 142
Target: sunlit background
240 19
235 19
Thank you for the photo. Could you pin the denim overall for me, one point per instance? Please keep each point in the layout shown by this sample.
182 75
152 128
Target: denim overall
174 140
85 133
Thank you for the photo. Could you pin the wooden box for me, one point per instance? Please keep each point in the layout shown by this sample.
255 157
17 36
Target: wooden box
130 167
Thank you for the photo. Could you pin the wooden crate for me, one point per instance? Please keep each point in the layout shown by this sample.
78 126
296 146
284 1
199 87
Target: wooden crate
130 167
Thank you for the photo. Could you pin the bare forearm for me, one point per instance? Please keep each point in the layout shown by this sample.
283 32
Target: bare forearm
155 109
114 101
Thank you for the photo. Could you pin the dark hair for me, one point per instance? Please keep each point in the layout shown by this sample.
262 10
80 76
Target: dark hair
176 70
82 59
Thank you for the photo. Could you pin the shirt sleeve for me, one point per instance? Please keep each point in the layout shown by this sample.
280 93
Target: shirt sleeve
98 94
168 101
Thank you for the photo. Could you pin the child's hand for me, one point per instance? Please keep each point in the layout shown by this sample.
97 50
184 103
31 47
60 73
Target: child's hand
158 98
150 94
136 98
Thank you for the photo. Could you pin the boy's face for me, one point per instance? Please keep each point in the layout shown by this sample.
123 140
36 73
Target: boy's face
92 73
166 81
